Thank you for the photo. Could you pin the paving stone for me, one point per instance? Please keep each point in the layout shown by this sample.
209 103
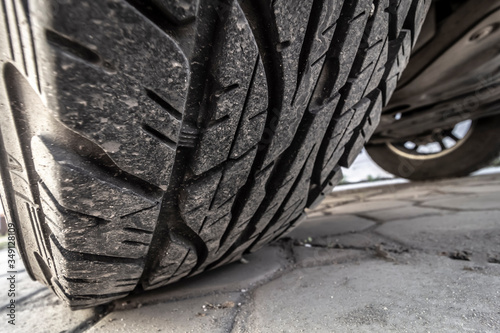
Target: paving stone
360 240
317 256
213 313
431 294
435 196
330 225
478 232
403 213
340 197
44 312
312 214
335 200
480 201
490 188
480 180
473 181
413 193
261 267
344 248
363 206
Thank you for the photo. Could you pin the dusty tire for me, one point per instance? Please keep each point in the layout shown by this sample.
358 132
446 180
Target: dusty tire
478 149
147 141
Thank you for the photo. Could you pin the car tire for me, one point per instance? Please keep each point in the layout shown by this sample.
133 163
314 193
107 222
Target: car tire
143 142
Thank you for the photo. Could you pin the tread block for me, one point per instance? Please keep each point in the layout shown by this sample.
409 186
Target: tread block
342 129
304 149
292 208
195 199
347 76
401 47
372 46
367 124
324 190
254 115
373 118
210 211
416 18
232 73
296 200
169 268
399 10
299 75
357 144
344 52
72 270
77 302
79 186
213 230
126 237
334 159
379 69
318 44
255 196
234 177
116 104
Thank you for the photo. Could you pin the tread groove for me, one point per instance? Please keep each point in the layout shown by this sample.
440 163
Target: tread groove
281 46
217 122
226 90
139 231
245 104
257 115
32 40
159 136
324 32
74 48
312 26
139 211
7 27
19 35
357 17
134 243
164 104
90 257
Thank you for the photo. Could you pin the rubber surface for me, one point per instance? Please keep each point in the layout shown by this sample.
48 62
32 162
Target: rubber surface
147 141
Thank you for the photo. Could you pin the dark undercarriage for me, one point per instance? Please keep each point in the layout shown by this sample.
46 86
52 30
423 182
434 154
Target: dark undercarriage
453 74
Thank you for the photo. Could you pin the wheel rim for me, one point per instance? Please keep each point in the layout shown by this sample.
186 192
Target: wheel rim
436 144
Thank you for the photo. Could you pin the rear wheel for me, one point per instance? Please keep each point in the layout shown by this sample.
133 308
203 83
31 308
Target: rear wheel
143 142
442 153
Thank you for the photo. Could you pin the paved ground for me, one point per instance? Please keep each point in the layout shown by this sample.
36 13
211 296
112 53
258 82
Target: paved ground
411 257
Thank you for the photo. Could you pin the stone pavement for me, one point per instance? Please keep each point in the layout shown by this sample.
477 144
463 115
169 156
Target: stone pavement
419 257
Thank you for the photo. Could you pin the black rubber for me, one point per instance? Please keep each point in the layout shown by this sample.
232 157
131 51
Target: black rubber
479 148
147 141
